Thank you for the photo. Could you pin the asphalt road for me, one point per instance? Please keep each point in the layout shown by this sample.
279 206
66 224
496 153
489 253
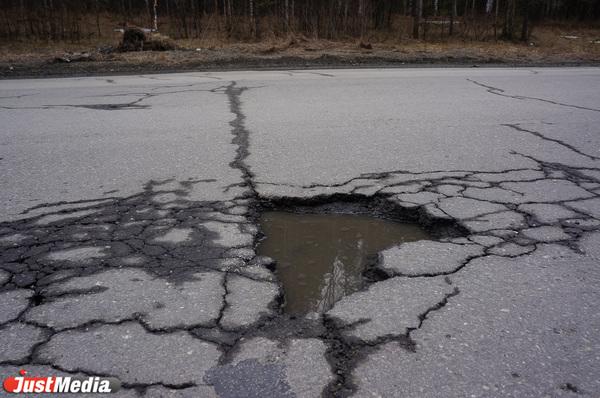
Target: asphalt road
128 210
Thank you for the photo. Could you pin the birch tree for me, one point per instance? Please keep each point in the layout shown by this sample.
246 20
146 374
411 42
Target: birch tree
155 15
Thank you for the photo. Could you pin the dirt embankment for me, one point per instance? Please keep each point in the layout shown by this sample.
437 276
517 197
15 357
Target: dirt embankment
27 60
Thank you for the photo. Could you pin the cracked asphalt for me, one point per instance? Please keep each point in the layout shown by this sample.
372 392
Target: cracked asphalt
128 227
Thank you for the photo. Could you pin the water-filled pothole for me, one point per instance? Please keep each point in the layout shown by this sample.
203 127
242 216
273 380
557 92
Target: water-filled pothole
321 257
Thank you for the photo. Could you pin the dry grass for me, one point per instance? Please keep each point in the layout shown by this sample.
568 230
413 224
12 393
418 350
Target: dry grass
548 44
135 39
158 42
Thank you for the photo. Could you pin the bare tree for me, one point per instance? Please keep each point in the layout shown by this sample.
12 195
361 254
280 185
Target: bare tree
287 14
418 14
508 29
496 19
149 12
98 29
155 14
453 14
47 20
252 20
333 19
525 27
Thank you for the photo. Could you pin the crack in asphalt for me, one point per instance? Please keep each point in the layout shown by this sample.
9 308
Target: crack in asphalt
517 127
131 105
438 306
18 96
345 353
241 136
393 173
223 300
502 93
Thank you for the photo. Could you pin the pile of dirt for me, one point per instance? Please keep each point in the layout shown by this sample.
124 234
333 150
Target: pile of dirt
136 39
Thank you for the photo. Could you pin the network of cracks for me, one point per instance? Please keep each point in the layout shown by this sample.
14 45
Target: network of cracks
169 295
156 278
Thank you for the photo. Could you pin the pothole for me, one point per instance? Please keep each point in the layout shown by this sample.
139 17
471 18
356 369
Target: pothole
321 258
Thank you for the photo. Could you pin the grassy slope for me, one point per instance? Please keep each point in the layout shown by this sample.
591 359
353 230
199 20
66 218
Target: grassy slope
547 46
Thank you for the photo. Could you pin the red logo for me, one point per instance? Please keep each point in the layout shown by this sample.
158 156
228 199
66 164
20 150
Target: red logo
60 384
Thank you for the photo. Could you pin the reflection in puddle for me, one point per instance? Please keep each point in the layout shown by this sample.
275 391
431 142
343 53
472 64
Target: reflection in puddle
321 257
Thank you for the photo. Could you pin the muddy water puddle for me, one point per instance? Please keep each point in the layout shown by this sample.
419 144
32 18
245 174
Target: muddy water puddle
320 258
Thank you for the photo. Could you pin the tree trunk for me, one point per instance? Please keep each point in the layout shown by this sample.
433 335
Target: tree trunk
287 15
418 14
525 27
252 20
98 30
496 20
155 16
47 27
149 12
507 29
452 17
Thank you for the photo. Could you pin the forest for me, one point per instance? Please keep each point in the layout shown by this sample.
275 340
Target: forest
254 20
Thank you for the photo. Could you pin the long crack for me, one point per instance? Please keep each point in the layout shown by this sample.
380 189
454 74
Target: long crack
502 93
517 127
241 136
